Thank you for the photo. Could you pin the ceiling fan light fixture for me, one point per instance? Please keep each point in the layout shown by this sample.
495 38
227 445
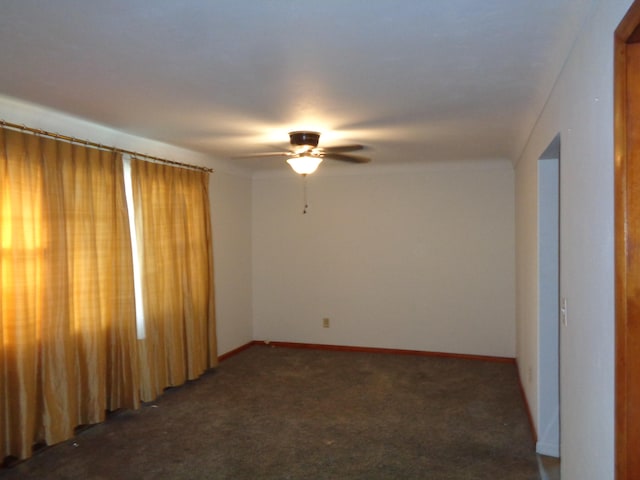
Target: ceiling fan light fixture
304 164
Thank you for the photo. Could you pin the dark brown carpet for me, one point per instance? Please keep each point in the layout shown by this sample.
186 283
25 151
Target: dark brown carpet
282 413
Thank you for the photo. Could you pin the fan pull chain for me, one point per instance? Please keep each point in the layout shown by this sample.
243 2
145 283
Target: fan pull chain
306 204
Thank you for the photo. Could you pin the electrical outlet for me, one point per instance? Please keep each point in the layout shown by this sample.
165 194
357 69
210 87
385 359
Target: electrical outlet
325 322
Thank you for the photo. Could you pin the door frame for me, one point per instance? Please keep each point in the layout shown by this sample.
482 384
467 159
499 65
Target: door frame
627 241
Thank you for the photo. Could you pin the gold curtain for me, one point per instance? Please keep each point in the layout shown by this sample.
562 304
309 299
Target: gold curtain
174 240
67 324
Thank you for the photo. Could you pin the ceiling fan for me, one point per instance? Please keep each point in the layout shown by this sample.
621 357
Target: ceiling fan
305 155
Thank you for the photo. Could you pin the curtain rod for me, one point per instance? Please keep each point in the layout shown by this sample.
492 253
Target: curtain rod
88 143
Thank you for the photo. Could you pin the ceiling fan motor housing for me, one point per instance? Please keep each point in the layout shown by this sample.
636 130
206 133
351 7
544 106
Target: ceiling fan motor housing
304 137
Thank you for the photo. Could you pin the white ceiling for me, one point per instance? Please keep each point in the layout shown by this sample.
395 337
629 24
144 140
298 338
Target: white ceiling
414 80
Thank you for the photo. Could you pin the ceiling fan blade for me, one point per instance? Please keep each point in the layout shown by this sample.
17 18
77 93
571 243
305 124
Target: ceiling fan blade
346 158
341 148
264 155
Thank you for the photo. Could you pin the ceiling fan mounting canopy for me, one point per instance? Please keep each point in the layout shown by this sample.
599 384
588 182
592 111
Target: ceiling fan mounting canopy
304 137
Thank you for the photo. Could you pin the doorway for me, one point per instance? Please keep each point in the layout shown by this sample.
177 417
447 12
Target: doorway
549 301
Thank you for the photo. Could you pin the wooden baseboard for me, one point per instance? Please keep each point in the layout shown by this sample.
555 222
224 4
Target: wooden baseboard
391 351
235 351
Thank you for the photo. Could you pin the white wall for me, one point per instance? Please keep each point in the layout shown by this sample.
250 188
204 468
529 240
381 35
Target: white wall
580 108
231 217
230 192
418 260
